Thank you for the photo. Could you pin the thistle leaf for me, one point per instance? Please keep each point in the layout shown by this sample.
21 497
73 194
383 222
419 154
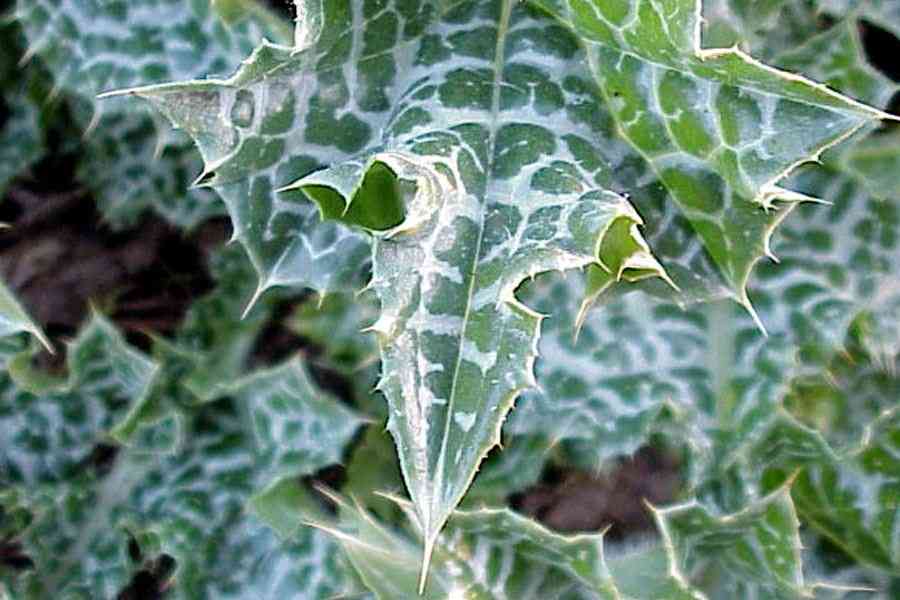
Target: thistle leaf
48 433
709 121
753 553
837 58
765 28
883 13
89 529
468 193
498 554
14 319
491 553
130 161
818 395
605 385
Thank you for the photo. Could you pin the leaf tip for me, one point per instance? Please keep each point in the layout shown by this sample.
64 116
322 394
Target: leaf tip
427 552
260 290
748 306
44 340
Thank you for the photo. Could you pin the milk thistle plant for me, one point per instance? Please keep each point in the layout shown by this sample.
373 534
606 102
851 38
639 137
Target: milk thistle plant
507 237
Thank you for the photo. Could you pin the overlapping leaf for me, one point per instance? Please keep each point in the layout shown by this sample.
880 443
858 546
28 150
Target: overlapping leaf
216 338
194 505
14 319
131 162
883 13
711 123
477 142
811 396
606 386
489 554
764 27
49 433
95 514
497 554
836 57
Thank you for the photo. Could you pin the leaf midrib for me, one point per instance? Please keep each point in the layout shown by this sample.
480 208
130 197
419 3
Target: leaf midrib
499 61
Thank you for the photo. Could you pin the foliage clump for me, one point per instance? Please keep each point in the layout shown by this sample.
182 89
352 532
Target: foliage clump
579 227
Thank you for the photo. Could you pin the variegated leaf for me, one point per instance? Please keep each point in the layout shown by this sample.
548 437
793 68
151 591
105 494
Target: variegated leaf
755 409
884 13
765 28
14 319
498 554
472 140
837 58
92 46
87 524
194 506
754 553
49 432
495 554
297 427
21 144
207 354
605 386
215 339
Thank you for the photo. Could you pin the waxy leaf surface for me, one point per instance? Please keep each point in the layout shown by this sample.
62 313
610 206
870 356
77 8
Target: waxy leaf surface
477 143
129 159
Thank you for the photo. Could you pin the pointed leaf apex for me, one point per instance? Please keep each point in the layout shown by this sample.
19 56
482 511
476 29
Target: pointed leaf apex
430 540
745 302
260 290
44 340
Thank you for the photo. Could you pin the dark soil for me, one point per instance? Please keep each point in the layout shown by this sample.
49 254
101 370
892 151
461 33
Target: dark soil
571 500
60 258
11 556
285 7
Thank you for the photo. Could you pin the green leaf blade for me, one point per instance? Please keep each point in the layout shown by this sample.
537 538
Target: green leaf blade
497 127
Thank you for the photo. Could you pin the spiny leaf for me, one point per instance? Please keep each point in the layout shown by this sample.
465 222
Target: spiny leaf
194 505
874 163
21 144
655 366
337 325
511 468
498 554
207 354
47 435
215 339
297 427
467 193
14 319
54 442
190 504
849 495
606 386
91 46
491 553
765 28
837 58
883 13
710 122
755 409
755 553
